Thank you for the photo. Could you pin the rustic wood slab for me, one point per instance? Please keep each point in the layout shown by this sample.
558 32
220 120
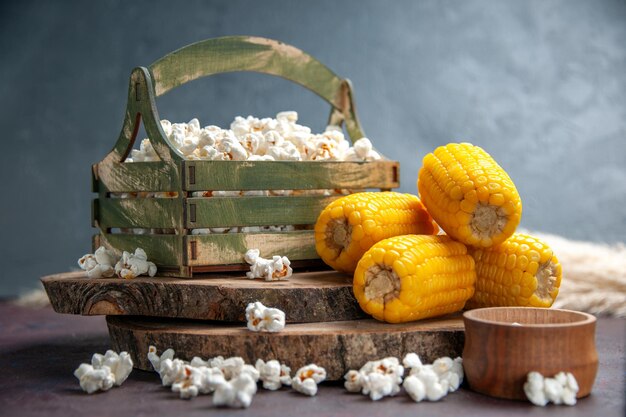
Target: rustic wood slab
337 346
318 296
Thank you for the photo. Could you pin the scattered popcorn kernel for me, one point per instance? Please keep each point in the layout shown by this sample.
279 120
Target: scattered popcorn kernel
275 269
273 374
171 371
100 264
133 265
104 372
120 365
92 379
236 393
306 379
156 360
561 389
263 319
378 385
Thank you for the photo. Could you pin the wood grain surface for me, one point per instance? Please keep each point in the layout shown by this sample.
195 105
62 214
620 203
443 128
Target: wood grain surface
305 297
337 346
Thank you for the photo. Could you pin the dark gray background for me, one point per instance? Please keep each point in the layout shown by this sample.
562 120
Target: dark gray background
541 85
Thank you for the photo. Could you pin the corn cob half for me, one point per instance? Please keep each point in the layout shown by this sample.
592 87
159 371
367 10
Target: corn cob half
469 195
523 271
406 278
350 225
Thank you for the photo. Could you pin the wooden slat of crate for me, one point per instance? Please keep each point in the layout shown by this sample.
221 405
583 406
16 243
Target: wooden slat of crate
229 248
288 175
162 249
120 177
254 210
144 213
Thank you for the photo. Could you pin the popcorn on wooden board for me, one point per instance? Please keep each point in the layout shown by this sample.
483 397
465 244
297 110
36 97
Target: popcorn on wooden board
275 269
105 264
131 265
263 319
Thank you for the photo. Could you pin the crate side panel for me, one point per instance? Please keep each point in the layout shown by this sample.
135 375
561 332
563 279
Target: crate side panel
254 210
137 176
165 213
163 250
230 248
289 175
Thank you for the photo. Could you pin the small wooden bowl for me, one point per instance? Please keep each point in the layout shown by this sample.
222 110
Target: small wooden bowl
498 354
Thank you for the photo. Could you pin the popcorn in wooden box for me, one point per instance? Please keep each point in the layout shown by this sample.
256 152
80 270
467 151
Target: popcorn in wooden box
187 163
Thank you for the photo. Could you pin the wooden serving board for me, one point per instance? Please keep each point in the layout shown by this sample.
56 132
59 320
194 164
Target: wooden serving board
319 296
337 346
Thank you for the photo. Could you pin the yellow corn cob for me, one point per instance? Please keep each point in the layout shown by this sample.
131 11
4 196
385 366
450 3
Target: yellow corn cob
523 271
406 278
349 226
469 195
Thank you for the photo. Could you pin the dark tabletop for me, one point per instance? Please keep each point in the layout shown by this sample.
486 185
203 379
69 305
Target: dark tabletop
40 349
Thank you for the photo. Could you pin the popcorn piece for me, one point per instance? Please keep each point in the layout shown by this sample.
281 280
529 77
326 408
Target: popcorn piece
156 360
432 382
100 264
237 393
166 125
133 265
362 151
260 158
354 381
380 378
235 366
444 368
172 371
415 388
120 365
307 378
104 371
231 147
273 374
277 268
198 380
413 362
378 385
94 379
561 389
287 116
185 388
263 319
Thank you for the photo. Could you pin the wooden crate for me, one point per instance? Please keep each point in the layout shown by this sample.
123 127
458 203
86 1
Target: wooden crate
180 253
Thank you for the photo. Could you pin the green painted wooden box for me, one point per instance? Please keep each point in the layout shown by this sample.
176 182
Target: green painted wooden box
179 252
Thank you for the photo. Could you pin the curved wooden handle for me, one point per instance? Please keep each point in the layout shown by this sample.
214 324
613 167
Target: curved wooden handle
254 54
228 54
242 53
